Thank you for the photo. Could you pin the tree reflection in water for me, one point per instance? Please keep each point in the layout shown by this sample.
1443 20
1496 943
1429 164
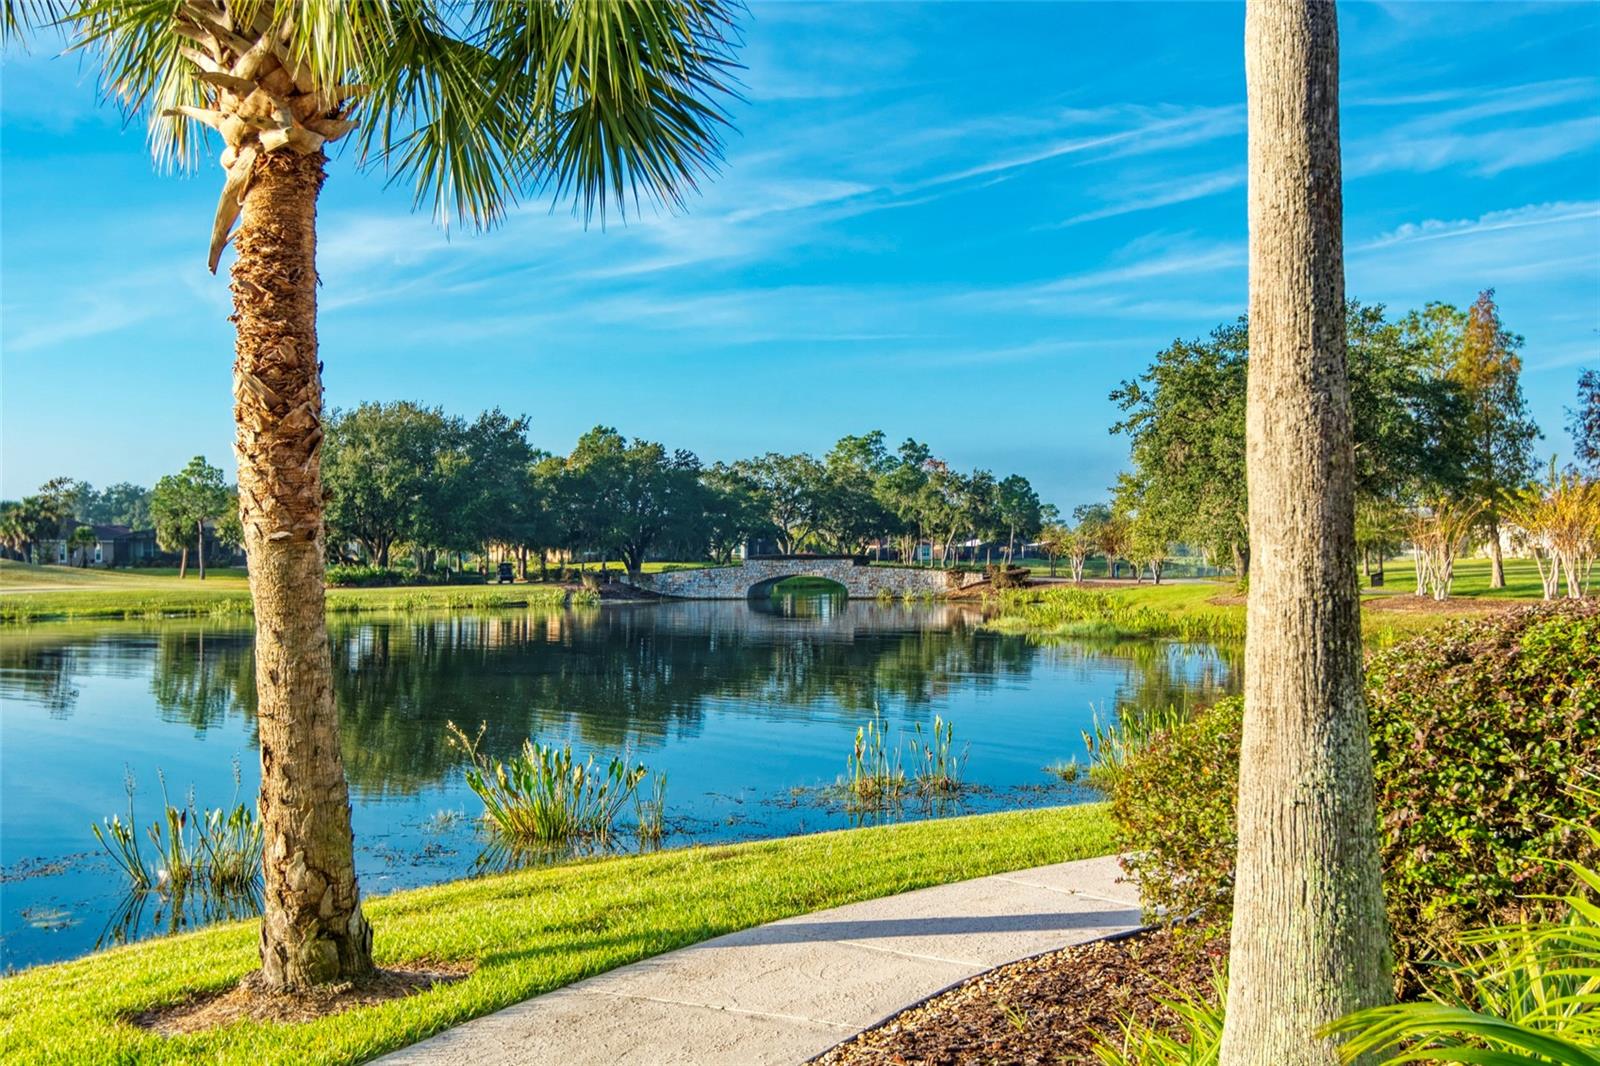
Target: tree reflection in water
742 703
606 679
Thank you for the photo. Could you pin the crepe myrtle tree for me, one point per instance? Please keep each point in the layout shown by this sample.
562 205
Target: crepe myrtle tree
475 103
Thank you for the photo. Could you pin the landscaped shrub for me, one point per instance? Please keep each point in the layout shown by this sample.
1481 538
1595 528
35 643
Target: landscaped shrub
1173 804
1482 735
1006 577
348 577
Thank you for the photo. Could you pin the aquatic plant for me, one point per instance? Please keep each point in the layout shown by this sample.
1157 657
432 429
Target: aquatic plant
544 795
937 766
1075 612
584 597
651 813
874 775
232 842
1068 770
219 848
1115 740
121 840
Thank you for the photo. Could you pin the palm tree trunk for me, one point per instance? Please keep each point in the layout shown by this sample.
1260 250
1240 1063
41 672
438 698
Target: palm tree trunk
312 928
1310 942
200 548
183 562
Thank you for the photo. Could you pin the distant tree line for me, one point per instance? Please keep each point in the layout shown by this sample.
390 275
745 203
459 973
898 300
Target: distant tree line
190 508
401 475
1442 431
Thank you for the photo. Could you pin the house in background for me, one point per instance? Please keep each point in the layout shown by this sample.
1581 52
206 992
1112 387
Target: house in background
113 546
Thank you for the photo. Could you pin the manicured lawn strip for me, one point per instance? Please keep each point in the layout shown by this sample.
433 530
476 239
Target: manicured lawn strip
528 933
1181 611
1191 611
1471 579
59 592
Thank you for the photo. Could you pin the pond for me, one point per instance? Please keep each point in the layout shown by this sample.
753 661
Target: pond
750 709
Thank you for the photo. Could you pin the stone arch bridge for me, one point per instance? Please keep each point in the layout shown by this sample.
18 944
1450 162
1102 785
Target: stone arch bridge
756 576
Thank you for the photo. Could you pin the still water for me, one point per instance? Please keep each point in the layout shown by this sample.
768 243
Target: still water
750 709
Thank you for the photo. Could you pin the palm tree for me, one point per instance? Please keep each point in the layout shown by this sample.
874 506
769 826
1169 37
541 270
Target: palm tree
83 540
1310 942
476 102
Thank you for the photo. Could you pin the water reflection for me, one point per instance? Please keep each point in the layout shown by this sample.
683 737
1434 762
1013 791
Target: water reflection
743 704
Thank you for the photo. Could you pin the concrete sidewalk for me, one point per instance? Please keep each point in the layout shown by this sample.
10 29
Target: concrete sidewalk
787 991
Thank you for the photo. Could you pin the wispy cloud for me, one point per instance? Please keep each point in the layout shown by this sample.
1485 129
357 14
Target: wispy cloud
1553 244
1153 195
1478 135
1150 133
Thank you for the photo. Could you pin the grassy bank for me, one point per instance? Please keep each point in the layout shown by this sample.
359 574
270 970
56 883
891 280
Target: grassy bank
526 933
41 593
1214 611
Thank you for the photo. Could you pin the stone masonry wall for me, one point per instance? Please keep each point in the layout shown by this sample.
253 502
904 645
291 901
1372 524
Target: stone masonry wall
861 582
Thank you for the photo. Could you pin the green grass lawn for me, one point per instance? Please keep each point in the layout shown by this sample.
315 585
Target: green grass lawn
39 593
526 933
1471 579
1201 610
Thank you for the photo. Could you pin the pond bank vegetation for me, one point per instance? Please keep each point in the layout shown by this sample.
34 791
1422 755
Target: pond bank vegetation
521 933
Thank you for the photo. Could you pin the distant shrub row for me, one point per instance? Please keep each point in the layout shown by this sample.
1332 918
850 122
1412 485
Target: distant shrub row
353 577
1486 751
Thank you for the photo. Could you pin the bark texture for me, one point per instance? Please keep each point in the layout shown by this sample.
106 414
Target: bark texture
1310 941
312 930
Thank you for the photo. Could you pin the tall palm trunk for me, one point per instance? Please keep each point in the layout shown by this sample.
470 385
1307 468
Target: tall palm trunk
200 548
312 930
1310 942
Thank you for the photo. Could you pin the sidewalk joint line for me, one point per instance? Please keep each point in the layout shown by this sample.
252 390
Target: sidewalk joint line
730 1010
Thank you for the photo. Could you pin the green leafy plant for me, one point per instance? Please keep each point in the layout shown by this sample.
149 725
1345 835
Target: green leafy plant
217 849
544 795
1173 807
874 775
1522 993
1477 731
937 767
121 841
651 813
1194 1040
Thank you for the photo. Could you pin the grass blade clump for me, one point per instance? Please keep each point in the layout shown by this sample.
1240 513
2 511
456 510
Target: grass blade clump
123 842
651 814
938 767
874 776
544 795
1113 742
217 850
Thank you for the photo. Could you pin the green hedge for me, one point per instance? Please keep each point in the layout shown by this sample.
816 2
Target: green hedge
1485 735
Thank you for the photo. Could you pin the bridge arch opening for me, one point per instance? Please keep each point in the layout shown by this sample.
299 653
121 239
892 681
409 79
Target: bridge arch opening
800 595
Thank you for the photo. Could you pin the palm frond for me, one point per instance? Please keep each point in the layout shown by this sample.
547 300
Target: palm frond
18 18
625 97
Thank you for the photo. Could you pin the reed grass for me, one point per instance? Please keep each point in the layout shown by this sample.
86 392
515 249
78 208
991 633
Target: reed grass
937 766
1115 740
544 796
874 774
215 849
651 814
1067 770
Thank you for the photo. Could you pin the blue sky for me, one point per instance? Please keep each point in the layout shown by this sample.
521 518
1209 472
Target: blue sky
963 222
